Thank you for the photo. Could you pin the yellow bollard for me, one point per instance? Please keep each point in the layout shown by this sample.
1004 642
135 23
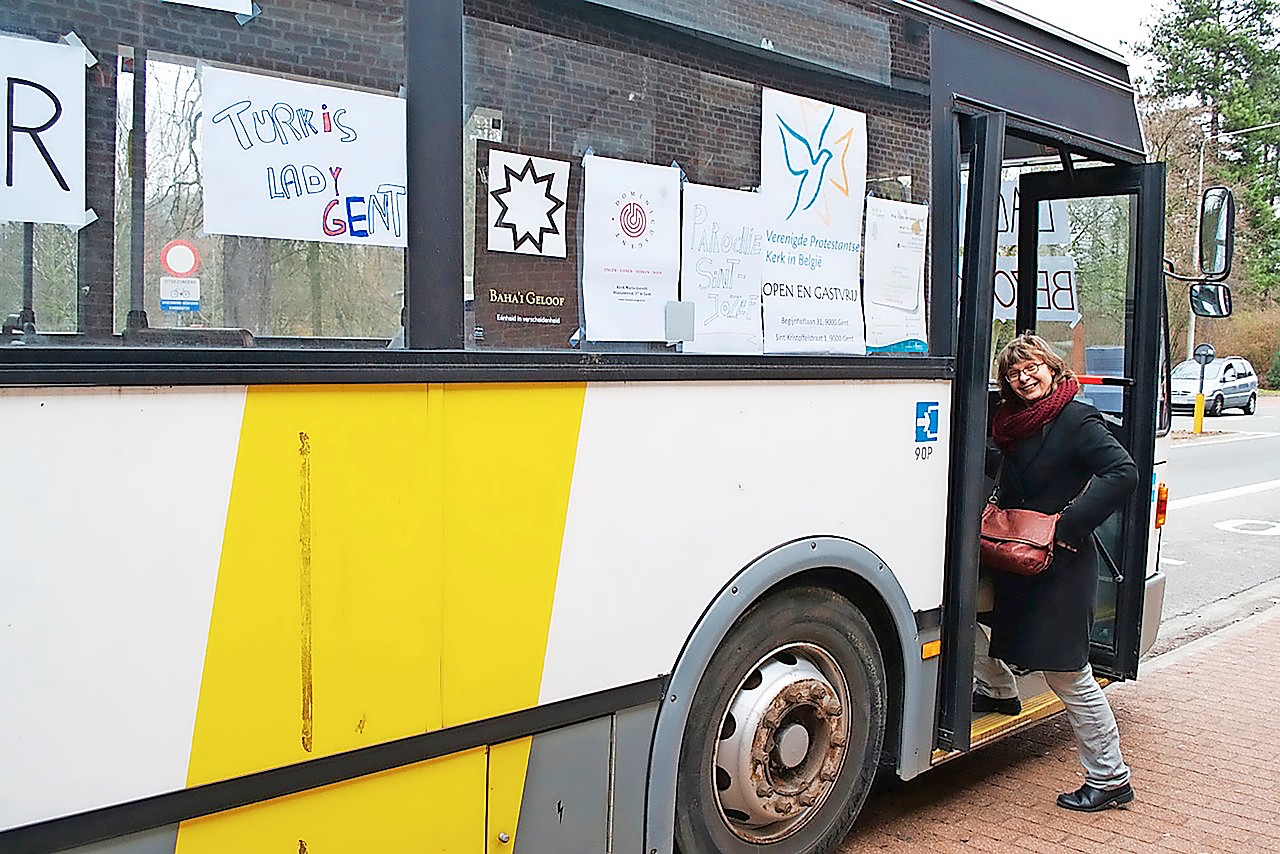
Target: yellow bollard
1198 423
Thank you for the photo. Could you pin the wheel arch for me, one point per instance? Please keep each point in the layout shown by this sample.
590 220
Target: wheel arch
850 569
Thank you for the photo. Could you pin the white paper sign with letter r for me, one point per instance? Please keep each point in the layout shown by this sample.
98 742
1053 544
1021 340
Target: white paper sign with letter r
42 148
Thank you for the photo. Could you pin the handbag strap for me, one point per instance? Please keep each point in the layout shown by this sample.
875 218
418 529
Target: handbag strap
1013 469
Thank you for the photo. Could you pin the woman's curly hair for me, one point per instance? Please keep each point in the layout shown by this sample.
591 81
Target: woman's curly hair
1028 348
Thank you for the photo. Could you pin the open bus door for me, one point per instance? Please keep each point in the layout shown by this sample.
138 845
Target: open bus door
982 139
1098 298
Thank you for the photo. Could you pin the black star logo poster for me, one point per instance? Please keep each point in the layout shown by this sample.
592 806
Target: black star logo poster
527 198
525 274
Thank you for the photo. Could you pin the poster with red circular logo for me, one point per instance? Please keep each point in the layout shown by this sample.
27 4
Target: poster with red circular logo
631 248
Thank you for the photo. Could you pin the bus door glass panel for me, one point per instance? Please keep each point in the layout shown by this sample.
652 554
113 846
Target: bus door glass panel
1164 413
1092 295
1084 286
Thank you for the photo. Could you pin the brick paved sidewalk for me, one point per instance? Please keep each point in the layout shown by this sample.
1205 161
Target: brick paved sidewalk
1200 730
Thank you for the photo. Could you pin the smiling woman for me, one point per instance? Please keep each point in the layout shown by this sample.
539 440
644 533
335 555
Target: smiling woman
1056 457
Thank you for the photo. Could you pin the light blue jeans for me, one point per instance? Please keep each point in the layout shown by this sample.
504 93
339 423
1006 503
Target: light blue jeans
1092 721
1094 725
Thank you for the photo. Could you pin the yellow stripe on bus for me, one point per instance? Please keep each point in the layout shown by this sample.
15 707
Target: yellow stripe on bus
388 568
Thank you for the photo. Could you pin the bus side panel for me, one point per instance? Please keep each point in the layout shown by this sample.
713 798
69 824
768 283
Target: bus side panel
112 527
677 487
585 789
507 461
436 806
1153 594
161 840
325 633
384 559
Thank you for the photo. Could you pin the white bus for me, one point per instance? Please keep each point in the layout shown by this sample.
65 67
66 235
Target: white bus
534 426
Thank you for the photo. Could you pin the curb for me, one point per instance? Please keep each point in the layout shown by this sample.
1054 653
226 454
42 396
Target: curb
1177 656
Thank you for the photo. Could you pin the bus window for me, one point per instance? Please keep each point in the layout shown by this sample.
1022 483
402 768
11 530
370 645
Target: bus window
39 258
1084 290
622 196
244 181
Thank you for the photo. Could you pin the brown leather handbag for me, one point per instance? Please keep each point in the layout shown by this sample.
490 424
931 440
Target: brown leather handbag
1017 541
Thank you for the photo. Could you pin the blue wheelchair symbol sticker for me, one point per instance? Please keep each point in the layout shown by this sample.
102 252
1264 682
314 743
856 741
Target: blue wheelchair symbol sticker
927 421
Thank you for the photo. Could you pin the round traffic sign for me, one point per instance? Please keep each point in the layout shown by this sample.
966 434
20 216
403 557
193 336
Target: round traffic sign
1204 353
179 258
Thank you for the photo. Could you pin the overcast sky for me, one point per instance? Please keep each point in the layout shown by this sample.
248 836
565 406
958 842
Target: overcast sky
1106 22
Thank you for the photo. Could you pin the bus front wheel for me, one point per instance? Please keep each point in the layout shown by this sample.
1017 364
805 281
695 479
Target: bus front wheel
785 729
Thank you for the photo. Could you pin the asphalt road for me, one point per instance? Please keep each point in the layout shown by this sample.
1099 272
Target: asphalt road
1221 545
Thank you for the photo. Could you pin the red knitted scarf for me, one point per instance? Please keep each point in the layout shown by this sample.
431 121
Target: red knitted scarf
1016 421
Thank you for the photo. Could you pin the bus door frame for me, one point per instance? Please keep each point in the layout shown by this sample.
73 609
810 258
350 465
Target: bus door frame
1146 182
986 131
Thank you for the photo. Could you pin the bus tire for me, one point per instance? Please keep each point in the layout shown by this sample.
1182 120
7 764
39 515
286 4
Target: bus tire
785 729
1215 408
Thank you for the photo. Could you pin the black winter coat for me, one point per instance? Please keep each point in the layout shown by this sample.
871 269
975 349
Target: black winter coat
1043 622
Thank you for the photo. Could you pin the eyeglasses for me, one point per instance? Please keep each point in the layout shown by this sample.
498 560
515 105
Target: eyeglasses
1014 375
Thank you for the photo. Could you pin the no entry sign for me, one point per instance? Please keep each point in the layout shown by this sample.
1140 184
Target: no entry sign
179 258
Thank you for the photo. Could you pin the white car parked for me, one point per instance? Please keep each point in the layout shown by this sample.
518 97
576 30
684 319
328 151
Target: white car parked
1229 382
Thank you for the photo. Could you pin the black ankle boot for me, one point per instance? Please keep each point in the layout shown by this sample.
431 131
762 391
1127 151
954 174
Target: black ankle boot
1088 799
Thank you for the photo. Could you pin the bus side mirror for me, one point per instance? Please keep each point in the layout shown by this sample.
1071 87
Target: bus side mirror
1210 299
1217 233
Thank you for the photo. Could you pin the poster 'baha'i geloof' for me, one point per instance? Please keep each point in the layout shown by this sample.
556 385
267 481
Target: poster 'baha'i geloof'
302 161
813 173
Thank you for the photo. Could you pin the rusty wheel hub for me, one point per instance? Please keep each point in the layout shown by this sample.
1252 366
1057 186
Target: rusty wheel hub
782 743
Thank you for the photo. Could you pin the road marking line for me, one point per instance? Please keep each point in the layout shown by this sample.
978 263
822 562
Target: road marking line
1224 494
1172 562
1241 437
1237 526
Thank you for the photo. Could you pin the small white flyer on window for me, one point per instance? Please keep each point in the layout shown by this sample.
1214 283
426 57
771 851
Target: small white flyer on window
722 248
630 248
239 7
893 276
527 198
